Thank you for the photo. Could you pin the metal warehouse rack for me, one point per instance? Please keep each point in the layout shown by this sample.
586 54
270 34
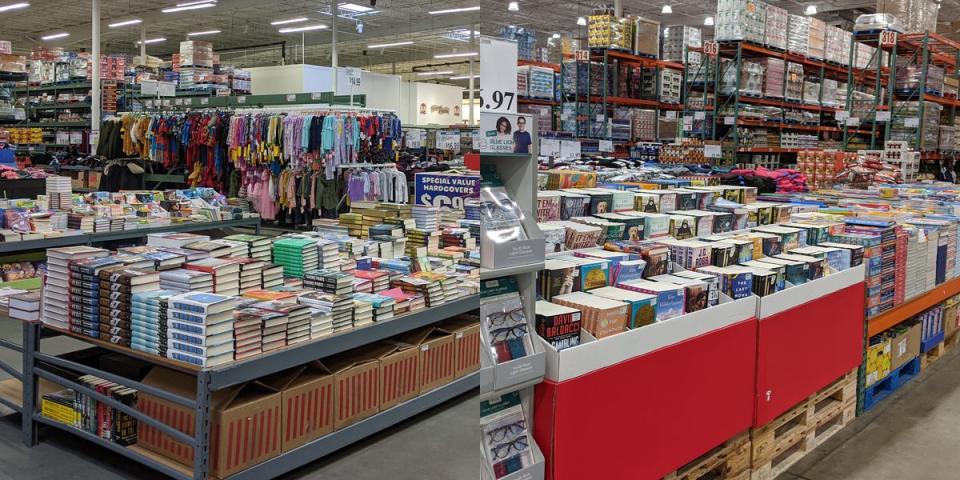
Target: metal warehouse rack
36 366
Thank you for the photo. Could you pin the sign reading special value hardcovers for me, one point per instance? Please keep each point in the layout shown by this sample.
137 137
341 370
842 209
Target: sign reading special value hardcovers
445 190
505 133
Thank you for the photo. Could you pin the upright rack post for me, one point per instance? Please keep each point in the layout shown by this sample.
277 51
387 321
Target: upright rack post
31 387
201 452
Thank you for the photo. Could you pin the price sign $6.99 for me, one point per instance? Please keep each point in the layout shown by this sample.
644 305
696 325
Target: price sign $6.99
497 101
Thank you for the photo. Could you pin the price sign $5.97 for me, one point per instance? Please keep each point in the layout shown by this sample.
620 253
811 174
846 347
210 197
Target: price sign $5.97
497 100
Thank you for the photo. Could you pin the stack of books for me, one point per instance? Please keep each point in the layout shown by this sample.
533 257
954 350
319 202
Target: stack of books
353 222
382 305
297 255
85 294
201 328
59 193
183 280
457 237
131 260
117 286
81 221
273 330
380 280
417 237
175 239
558 325
427 218
324 307
209 248
247 332
258 247
251 273
602 317
148 321
101 419
430 290
226 274
362 313
25 306
386 231
56 292
329 281
329 258
298 318
162 259
237 248
101 224
272 275
362 285
401 300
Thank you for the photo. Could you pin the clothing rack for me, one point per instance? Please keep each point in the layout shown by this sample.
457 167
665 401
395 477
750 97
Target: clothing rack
367 165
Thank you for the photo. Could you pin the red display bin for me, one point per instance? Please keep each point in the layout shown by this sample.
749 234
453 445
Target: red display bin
641 404
809 335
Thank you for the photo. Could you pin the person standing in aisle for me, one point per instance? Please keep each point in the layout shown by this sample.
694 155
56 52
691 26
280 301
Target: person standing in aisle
521 137
947 172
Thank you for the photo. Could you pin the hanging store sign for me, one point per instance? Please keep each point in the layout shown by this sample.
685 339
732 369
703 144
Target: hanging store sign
448 140
711 48
498 75
444 190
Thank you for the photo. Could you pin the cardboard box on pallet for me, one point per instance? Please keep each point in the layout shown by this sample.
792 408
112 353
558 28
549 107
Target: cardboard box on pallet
399 373
356 378
951 320
878 360
466 344
436 356
306 396
904 344
245 422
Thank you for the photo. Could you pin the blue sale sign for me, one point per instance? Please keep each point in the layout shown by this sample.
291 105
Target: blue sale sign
441 190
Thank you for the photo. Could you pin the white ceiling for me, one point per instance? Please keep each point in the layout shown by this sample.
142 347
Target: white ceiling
248 39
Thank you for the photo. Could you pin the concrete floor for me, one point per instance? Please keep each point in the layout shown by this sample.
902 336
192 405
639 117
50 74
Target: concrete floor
408 451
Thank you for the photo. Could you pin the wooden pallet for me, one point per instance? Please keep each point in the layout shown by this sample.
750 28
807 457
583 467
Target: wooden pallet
781 443
933 354
729 461
952 341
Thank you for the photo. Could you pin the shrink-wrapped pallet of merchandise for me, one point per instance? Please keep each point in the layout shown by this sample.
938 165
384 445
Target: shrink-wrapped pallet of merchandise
948 137
816 39
837 45
906 120
811 93
540 82
794 82
914 16
644 125
774 71
751 78
671 83
798 34
775 33
676 40
741 20
646 36
605 30
828 96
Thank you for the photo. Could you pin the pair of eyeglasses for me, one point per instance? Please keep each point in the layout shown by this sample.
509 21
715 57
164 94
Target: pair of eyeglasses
507 333
500 434
499 319
505 450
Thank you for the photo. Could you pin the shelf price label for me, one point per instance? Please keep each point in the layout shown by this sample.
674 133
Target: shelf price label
606 145
670 115
498 75
291 97
841 116
729 120
911 122
711 48
883 116
712 151
853 122
699 115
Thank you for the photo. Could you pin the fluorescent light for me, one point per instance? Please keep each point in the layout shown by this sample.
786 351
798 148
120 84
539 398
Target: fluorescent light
556 35
811 10
426 74
196 2
454 10
125 23
14 6
456 55
205 32
463 77
708 21
292 20
303 29
581 21
513 7
667 9
55 36
188 7
353 7
388 45
153 40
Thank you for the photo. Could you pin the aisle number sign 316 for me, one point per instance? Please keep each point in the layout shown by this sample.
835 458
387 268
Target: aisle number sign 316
498 75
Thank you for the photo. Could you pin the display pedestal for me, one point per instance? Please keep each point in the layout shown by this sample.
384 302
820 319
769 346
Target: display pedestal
643 403
809 335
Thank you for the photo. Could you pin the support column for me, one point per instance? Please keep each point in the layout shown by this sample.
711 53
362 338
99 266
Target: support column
618 8
95 96
143 44
335 8
473 48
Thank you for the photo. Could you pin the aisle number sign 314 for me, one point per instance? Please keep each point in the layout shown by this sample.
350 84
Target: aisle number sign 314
498 75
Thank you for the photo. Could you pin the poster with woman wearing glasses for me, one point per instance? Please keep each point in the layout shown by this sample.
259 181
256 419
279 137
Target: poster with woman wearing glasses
505 133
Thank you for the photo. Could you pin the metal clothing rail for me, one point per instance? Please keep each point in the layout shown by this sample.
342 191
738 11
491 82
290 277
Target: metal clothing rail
36 365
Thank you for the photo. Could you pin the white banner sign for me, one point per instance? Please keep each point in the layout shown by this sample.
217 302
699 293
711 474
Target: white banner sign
448 140
550 147
569 150
606 145
498 75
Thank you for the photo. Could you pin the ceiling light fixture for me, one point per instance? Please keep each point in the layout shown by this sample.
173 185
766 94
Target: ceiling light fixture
196 2
463 77
811 10
205 32
292 20
443 72
556 35
303 29
388 45
194 6
456 55
454 10
353 7
55 36
153 40
581 21
125 23
667 9
513 7
14 6
708 21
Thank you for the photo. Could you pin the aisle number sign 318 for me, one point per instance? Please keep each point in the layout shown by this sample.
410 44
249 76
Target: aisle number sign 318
498 75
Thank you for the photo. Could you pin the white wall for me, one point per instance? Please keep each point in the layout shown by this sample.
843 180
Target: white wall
432 97
382 91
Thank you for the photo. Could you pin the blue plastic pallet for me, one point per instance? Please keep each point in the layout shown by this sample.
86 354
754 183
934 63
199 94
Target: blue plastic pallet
928 344
897 378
